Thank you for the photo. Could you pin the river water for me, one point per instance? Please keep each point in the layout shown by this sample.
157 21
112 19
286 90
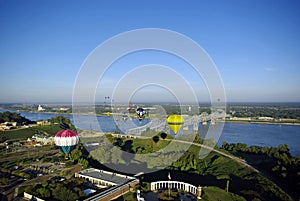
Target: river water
249 133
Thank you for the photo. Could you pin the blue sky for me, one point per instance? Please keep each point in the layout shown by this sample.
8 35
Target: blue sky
254 44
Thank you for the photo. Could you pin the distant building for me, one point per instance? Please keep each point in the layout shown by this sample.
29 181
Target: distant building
42 139
40 108
8 125
266 118
62 109
240 118
43 122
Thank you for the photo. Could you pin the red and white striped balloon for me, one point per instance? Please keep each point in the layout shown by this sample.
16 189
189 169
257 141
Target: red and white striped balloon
66 140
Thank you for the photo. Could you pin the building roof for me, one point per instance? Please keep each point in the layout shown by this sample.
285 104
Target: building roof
111 177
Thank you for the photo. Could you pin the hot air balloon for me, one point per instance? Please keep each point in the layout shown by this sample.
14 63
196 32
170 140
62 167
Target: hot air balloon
175 122
66 140
140 112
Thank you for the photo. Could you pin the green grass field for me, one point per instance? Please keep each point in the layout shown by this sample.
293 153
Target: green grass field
130 196
215 193
22 134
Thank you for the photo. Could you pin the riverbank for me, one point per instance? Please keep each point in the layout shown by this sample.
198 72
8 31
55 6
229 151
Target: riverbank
65 113
264 122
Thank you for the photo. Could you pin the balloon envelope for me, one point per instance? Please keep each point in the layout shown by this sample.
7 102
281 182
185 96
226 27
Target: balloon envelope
66 140
140 112
175 122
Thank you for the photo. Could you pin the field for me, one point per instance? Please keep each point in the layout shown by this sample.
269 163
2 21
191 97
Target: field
215 193
24 133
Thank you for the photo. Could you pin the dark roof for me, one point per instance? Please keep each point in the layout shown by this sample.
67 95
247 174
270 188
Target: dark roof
117 179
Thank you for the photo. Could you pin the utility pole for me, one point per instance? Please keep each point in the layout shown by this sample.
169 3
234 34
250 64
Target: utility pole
169 177
227 186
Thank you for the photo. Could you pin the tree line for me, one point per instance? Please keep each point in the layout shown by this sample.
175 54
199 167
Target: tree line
14 117
276 112
276 161
70 189
63 122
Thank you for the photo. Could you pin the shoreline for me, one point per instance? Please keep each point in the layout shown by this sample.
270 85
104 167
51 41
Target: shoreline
264 122
225 121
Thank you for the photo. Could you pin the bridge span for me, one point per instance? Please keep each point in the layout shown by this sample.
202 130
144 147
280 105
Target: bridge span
161 124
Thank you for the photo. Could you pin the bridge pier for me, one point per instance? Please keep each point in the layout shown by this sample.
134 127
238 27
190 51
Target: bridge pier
196 127
186 129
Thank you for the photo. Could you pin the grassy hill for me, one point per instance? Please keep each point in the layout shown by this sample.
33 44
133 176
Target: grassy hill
24 133
214 170
215 193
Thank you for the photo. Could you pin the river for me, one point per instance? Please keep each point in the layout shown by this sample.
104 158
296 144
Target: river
249 133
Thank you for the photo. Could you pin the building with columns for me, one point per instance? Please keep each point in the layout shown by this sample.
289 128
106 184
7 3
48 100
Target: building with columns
197 191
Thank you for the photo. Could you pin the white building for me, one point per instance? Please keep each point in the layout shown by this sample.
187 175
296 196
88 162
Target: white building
40 108
41 139
266 118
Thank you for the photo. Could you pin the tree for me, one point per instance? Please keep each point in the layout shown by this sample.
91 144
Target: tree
63 122
265 150
14 117
64 194
75 154
4 181
44 184
241 147
83 162
2 139
69 164
43 192
283 148
225 145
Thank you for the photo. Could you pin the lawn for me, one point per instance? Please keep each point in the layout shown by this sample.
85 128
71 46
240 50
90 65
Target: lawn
215 193
130 196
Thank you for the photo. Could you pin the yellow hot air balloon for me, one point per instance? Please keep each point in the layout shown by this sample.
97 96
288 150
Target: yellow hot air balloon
175 122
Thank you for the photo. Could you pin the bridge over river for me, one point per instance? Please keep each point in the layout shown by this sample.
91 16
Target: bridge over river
158 124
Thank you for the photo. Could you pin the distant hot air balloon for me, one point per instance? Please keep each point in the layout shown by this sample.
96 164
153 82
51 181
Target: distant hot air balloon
66 140
175 122
140 112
